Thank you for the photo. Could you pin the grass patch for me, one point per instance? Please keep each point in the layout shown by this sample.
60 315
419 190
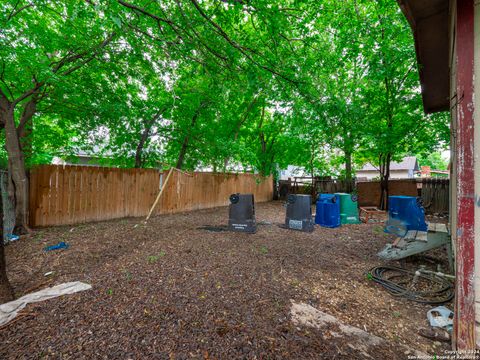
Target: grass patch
152 259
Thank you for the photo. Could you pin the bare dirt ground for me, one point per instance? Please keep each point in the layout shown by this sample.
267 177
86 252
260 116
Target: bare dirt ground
169 290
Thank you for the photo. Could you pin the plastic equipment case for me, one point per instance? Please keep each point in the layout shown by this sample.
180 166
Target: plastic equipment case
405 213
348 208
299 213
241 215
328 211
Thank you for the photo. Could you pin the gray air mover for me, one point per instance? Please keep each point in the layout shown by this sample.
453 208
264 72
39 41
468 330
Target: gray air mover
241 215
299 213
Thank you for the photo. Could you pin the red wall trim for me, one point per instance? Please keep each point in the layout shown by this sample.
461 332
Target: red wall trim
465 296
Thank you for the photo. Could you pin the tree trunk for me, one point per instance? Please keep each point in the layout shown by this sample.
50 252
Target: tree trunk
387 179
24 129
139 149
384 178
263 145
183 152
6 291
313 190
184 148
145 135
348 170
16 169
25 139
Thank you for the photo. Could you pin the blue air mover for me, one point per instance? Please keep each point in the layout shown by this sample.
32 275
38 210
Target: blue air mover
328 211
405 213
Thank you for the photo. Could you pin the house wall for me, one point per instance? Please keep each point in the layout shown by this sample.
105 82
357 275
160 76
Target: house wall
453 125
79 160
463 104
394 174
477 168
293 171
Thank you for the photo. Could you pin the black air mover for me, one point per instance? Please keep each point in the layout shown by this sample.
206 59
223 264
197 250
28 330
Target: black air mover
241 215
299 213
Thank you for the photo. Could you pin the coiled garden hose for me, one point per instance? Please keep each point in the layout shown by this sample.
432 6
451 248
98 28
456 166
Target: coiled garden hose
416 286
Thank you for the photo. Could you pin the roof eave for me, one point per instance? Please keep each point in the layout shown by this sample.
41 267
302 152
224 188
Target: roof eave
429 22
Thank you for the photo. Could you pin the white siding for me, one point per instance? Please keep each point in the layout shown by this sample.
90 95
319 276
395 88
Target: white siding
394 174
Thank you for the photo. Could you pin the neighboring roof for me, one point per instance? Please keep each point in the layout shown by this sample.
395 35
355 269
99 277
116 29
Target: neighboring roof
95 152
293 170
408 163
429 21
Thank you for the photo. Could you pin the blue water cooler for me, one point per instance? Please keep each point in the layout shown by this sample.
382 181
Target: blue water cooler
328 211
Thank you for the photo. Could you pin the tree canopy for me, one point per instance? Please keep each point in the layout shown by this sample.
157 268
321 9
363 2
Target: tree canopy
230 85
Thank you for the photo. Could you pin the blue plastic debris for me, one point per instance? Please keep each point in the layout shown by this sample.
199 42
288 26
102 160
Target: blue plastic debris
12 237
441 317
60 245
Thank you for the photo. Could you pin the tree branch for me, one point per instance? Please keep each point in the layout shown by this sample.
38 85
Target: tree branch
63 62
28 93
237 46
70 59
145 12
400 84
215 53
16 12
2 79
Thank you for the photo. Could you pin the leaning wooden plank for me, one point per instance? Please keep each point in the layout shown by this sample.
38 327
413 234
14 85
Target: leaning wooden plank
159 195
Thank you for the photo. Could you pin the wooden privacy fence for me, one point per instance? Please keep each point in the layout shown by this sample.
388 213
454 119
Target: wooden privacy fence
334 186
434 192
436 195
61 195
369 192
303 185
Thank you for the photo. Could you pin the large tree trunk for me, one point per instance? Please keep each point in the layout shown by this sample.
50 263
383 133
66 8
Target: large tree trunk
263 145
25 126
6 291
183 152
313 190
186 139
387 179
348 170
17 169
144 137
384 178
140 146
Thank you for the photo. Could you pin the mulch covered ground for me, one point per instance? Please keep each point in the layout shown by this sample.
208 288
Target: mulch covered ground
169 290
